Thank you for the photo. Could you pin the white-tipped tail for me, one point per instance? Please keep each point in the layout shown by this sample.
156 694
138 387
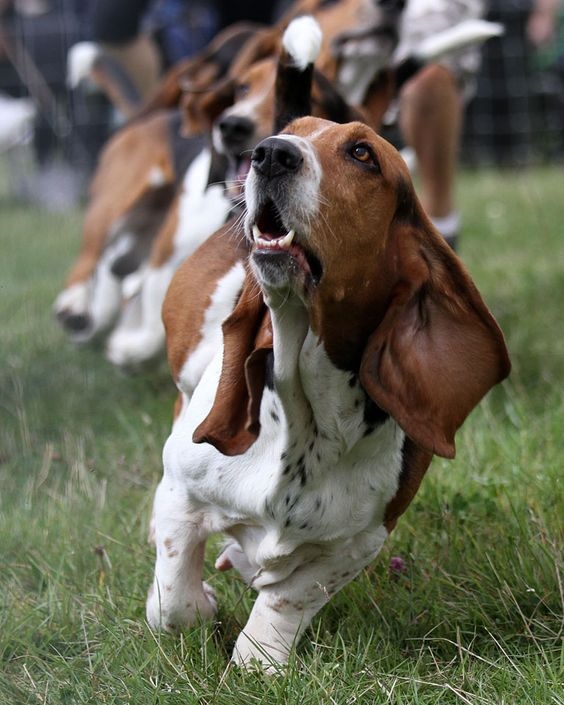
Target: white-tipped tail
302 40
465 34
80 59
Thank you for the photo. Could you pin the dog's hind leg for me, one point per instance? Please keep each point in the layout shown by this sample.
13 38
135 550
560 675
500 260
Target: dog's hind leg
282 611
233 556
178 596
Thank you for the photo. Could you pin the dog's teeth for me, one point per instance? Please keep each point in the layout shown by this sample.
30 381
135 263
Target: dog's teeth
286 241
278 243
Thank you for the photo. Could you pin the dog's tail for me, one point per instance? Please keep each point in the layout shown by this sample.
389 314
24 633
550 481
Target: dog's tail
301 45
87 60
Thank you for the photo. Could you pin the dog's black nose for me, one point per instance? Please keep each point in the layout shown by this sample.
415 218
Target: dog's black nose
276 156
76 322
236 129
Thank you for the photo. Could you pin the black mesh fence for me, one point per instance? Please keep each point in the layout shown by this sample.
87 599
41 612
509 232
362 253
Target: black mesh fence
517 115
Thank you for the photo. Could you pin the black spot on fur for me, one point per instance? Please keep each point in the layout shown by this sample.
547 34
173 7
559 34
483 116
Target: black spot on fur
274 416
269 370
373 414
268 509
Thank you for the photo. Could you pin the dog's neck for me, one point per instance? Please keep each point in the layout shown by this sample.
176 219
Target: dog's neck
324 407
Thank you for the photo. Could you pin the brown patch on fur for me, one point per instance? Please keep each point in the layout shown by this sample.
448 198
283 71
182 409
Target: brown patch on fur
121 179
177 407
191 289
232 425
170 551
163 245
197 74
416 461
426 345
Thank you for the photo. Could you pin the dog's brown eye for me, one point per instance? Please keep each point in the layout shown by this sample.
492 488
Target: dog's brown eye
362 154
242 90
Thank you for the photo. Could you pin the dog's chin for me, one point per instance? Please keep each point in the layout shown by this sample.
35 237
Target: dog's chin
279 273
282 260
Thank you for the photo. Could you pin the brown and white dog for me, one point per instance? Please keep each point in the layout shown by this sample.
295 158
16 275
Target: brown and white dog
141 170
202 206
130 193
353 346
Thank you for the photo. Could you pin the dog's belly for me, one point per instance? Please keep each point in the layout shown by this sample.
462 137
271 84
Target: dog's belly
279 510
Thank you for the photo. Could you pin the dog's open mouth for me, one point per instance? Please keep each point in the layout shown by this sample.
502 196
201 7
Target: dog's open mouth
271 236
238 174
242 166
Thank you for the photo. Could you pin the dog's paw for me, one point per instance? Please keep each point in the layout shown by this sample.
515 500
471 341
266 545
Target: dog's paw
250 654
131 348
171 612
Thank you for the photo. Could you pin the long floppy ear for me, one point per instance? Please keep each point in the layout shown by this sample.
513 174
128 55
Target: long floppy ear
200 109
438 349
232 425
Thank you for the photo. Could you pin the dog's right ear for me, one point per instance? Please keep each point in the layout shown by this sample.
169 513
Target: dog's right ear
232 425
200 109
438 349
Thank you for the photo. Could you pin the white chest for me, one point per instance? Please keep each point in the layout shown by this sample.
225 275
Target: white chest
203 208
307 480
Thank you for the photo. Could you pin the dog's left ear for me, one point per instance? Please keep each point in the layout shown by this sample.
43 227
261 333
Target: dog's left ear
232 425
438 349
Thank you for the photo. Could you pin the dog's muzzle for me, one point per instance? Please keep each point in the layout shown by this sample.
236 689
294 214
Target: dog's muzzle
274 158
281 253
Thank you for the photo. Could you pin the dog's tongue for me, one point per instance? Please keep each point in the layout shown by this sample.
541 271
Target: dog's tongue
243 168
236 186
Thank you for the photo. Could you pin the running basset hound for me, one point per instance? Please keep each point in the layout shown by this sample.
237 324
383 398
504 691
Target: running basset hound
353 346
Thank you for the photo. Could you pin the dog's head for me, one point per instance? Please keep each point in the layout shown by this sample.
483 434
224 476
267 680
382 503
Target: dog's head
248 120
334 222
360 37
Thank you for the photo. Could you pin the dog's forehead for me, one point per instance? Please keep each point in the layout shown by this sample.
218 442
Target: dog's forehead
324 134
260 72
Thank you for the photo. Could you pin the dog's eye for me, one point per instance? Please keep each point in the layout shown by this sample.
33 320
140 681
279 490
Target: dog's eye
363 154
242 90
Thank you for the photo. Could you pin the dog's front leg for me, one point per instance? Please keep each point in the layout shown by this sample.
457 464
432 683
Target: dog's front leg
282 611
178 596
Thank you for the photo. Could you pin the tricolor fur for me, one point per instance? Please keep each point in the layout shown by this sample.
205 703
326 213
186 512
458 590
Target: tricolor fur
355 349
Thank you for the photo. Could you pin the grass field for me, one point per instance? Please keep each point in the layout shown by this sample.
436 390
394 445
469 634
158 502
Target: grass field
477 617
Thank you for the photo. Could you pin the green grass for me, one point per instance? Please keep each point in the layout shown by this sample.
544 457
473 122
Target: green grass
477 618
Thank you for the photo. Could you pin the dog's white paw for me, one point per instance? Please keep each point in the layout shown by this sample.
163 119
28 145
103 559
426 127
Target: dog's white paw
170 611
250 654
129 348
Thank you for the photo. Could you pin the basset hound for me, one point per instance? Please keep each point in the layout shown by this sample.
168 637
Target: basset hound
341 344
204 204
141 171
274 89
130 193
